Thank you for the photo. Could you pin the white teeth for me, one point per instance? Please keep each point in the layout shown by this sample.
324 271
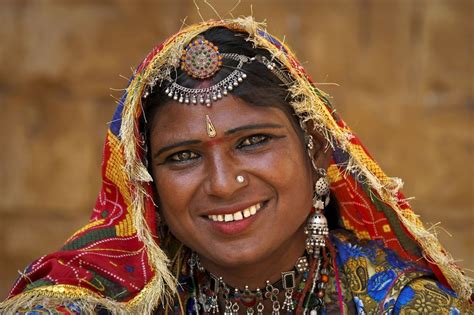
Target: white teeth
228 218
237 216
253 210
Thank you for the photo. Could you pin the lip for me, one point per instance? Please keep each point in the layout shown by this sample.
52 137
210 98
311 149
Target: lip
234 227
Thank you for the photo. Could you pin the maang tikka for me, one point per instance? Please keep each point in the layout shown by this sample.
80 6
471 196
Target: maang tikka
317 226
201 59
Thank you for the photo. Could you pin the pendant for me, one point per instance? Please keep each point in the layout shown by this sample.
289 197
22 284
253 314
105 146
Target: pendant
214 306
228 308
235 309
276 308
288 303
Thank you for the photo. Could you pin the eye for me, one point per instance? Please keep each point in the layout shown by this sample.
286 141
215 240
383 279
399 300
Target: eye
253 140
183 156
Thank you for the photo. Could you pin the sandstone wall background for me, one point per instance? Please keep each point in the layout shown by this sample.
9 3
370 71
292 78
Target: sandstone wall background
404 70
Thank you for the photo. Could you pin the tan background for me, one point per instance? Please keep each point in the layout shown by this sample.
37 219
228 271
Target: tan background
406 87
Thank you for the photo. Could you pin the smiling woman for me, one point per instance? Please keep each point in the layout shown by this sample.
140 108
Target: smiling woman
230 185
197 180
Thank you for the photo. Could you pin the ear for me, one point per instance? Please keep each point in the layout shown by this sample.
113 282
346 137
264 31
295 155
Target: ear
321 151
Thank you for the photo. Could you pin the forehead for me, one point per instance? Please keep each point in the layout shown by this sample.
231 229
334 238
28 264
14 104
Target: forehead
176 121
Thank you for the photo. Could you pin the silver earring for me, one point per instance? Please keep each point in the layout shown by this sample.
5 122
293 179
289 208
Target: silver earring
317 225
321 191
240 179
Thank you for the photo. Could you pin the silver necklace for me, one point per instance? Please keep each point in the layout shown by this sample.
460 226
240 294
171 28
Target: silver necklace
206 295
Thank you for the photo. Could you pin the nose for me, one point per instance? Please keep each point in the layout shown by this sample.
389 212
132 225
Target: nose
224 177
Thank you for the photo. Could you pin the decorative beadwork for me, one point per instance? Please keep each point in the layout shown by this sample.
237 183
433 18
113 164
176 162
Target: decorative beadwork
302 264
206 288
205 96
201 59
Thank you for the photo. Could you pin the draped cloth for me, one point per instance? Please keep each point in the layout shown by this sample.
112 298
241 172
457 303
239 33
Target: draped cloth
115 261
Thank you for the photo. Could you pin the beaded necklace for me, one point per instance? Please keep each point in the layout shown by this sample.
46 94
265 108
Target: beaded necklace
305 297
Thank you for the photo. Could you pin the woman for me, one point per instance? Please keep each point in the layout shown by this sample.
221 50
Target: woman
231 186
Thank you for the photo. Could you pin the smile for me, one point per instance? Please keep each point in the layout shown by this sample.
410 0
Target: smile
237 216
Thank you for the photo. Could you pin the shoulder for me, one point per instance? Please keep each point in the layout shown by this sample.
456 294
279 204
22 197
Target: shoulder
379 280
427 296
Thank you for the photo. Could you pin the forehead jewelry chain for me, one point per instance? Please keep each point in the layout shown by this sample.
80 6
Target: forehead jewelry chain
201 60
211 130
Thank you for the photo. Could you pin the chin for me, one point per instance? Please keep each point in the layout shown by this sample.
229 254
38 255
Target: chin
236 256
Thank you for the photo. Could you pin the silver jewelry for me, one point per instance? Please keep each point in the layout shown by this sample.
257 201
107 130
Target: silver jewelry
317 225
302 264
289 284
205 96
251 301
309 142
317 230
321 191
201 59
240 179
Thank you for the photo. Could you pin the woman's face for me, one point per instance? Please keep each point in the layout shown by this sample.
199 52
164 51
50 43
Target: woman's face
227 222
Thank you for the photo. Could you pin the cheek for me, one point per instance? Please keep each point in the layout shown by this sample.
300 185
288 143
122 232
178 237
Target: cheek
174 194
288 171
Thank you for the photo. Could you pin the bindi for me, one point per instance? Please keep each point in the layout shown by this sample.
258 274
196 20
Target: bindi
210 129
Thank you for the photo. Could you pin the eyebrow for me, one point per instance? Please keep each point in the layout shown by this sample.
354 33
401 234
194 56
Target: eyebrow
228 132
250 127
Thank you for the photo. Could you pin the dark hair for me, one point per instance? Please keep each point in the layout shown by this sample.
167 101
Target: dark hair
260 88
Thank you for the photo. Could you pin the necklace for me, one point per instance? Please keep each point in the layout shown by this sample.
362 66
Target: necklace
305 297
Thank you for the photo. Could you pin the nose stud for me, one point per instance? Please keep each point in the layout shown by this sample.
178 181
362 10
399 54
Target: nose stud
240 179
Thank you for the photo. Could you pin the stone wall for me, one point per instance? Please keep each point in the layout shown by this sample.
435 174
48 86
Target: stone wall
405 85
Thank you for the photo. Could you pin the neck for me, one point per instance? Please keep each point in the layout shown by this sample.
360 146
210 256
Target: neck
269 268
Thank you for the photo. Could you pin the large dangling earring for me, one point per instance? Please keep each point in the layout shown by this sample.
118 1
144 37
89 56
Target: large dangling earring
317 225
